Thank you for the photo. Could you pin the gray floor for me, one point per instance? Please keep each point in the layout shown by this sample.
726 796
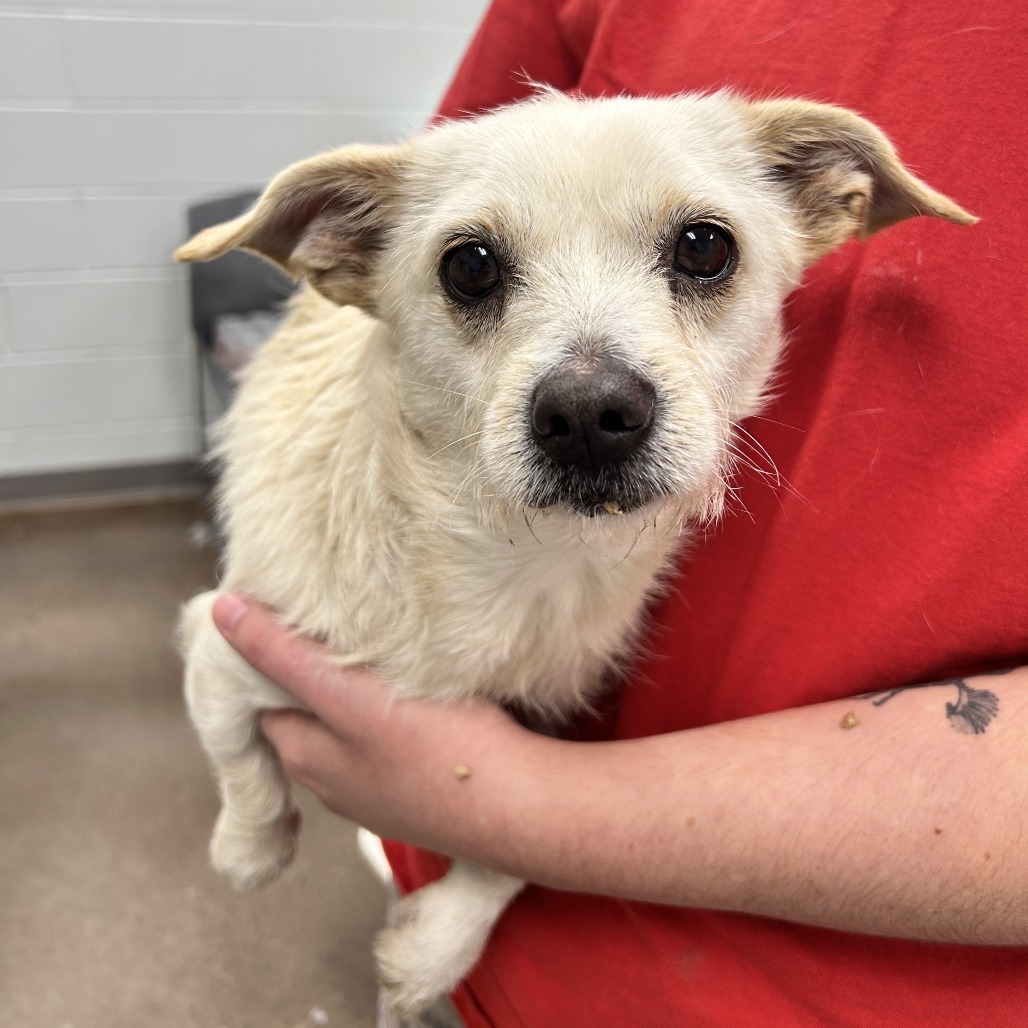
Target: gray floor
109 916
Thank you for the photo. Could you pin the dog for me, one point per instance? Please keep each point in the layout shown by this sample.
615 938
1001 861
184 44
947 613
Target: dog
504 398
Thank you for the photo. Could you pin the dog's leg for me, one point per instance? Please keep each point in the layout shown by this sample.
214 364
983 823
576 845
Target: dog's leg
438 933
256 832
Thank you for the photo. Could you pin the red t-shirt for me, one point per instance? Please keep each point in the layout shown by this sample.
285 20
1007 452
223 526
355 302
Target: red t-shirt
894 551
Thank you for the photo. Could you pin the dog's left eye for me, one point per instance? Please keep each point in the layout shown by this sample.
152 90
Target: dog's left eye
704 252
470 271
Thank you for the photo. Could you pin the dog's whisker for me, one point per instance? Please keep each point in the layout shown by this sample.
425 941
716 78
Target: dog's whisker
754 461
736 501
442 389
744 460
772 421
635 540
528 525
455 442
780 480
751 440
451 500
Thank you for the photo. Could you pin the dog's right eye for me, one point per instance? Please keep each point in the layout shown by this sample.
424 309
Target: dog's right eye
704 252
470 272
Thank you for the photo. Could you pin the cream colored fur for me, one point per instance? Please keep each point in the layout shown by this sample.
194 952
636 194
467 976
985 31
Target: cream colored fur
379 473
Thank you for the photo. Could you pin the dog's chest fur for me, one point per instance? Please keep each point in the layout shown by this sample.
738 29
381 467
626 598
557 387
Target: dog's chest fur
337 517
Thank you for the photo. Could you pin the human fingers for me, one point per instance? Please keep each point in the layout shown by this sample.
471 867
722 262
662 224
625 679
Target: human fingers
310 753
289 660
343 697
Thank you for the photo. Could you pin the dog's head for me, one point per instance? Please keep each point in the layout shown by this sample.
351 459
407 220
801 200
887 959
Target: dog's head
584 296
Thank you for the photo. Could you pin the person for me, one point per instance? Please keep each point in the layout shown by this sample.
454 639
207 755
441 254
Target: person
770 825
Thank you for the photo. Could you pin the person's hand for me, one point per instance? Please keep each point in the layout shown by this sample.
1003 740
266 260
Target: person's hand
855 815
407 769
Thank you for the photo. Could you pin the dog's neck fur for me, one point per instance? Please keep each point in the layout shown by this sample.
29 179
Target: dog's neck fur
380 515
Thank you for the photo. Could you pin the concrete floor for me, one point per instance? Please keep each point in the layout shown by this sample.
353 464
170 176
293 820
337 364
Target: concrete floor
109 915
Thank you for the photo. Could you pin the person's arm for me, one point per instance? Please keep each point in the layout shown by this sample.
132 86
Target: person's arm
886 815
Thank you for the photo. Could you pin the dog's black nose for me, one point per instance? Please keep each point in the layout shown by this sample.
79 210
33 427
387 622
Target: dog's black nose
593 412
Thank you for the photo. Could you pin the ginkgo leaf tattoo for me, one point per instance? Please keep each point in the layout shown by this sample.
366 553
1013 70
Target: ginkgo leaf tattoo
970 713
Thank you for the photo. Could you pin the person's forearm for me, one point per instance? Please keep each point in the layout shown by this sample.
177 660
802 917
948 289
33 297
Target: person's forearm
900 814
896 824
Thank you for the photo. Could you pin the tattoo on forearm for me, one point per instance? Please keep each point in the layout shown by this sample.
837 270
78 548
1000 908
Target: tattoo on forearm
971 713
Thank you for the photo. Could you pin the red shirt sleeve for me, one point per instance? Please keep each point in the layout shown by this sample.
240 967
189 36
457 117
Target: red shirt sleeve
519 43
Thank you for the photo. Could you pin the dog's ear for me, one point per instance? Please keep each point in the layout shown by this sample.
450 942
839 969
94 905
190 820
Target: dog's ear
323 219
842 173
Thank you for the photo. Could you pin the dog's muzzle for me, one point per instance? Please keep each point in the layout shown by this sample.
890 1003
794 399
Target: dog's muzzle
590 419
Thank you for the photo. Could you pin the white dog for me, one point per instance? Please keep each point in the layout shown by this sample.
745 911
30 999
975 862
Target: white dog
490 420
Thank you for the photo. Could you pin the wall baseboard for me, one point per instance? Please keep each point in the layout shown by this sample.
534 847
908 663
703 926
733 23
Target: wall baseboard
96 487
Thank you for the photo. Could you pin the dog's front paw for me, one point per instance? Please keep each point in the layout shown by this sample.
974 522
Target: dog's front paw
429 947
251 855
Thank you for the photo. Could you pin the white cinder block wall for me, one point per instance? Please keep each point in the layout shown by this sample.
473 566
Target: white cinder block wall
114 116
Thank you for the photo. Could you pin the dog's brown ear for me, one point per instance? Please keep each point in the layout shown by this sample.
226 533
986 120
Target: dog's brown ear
842 173
322 219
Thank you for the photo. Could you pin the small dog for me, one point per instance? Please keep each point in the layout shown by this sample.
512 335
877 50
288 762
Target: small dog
506 393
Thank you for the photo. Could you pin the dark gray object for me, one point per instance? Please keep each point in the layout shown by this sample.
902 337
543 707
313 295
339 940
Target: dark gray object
236 284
